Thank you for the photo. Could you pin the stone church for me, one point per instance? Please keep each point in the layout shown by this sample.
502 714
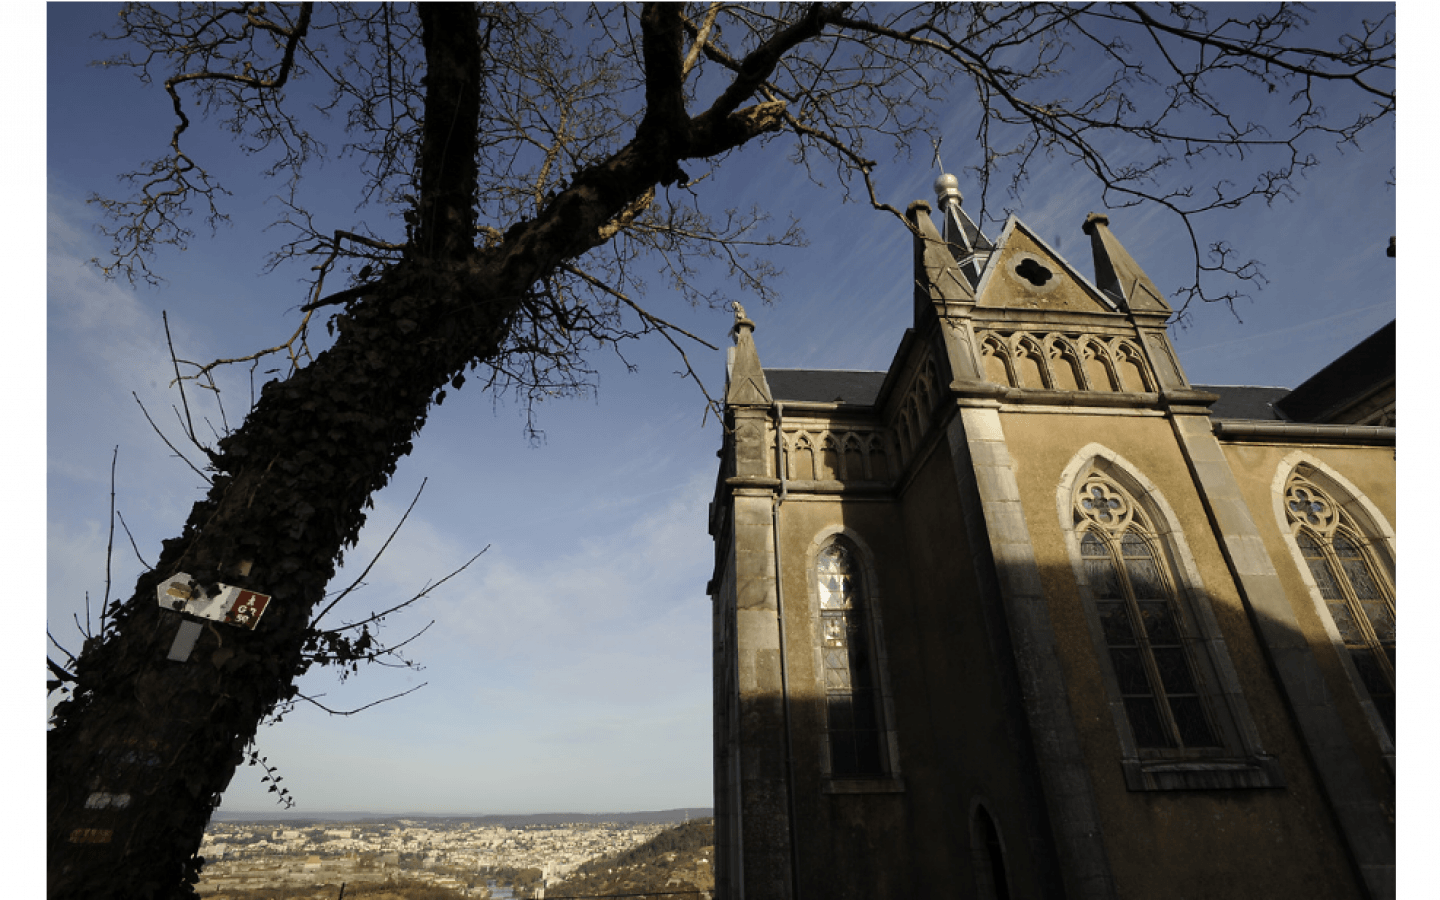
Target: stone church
1029 615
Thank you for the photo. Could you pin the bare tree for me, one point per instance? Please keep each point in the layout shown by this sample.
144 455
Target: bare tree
535 170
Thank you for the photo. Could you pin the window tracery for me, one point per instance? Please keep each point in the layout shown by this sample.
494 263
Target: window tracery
1064 361
1097 366
1178 706
829 461
854 459
846 456
1135 601
995 357
1129 369
879 470
1354 584
1029 362
803 454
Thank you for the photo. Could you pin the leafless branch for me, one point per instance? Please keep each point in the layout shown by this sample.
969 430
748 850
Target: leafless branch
315 620
109 548
350 712
162 437
133 545
424 592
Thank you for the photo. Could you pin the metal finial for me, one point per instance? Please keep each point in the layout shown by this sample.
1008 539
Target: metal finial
947 187
947 190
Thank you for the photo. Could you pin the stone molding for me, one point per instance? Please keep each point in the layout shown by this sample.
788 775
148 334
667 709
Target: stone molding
1006 566
1286 432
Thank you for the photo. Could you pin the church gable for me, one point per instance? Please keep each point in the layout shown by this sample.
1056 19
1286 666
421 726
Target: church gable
1024 273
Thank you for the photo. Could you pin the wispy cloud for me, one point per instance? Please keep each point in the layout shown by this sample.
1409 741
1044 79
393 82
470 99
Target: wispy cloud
573 678
104 343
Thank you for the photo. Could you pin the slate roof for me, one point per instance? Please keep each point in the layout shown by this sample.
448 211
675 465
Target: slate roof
825 385
1362 369
1239 401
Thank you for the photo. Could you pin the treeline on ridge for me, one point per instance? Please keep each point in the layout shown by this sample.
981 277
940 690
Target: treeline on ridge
678 860
689 836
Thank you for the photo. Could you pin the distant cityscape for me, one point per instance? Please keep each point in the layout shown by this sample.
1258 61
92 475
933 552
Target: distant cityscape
473 856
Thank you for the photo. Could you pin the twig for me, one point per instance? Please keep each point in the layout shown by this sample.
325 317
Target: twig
351 712
423 593
662 326
189 425
219 403
391 651
660 323
133 545
288 346
68 655
58 670
373 560
167 440
109 547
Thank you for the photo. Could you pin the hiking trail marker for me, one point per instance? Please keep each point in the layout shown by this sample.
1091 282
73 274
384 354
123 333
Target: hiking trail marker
232 605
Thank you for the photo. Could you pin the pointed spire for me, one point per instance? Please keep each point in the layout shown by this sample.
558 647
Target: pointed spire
970 247
1117 274
745 383
947 192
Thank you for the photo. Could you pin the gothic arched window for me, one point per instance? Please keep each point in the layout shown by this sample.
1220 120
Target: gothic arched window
1179 709
1134 598
1353 583
852 701
991 880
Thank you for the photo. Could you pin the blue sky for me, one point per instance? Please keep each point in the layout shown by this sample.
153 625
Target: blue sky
569 668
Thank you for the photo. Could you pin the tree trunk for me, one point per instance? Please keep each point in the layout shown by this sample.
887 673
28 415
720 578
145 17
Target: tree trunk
141 752
138 757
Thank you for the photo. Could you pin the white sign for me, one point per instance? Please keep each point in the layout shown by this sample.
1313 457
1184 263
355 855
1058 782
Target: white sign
232 605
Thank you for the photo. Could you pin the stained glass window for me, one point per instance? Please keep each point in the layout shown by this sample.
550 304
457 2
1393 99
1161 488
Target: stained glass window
1136 606
851 702
1356 592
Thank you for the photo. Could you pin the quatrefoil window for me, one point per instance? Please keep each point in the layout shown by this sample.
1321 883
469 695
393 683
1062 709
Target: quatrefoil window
1102 503
1308 505
1033 272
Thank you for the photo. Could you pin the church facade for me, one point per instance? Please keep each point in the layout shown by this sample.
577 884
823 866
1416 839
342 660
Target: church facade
1028 615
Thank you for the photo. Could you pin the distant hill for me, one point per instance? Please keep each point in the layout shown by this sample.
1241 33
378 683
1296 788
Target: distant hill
292 819
680 859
